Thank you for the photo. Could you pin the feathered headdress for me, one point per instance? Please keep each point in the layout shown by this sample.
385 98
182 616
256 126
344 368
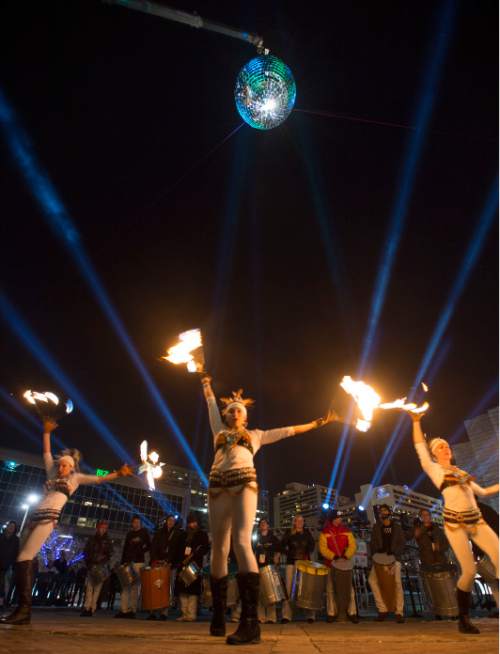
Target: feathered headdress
236 399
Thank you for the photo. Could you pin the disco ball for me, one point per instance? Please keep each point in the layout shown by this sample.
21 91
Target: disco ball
265 92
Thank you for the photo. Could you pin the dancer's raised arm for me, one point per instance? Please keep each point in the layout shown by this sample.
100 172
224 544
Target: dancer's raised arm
214 416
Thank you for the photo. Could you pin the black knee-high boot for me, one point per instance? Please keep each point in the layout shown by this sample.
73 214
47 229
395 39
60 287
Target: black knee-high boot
219 598
465 626
24 584
248 630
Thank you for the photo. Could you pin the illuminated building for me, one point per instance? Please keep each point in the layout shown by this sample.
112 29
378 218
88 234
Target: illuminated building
308 500
479 455
401 499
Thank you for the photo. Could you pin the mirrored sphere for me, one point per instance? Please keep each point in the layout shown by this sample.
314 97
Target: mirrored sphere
265 92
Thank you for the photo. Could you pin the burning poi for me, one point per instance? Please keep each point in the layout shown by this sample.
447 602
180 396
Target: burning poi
48 404
188 350
368 400
151 465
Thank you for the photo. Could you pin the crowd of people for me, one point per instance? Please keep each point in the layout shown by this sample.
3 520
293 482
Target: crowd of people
95 582
176 556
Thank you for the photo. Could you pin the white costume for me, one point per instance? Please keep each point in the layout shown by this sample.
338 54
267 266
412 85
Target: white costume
232 494
462 517
48 511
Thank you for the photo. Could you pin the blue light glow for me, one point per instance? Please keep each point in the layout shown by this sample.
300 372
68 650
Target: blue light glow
326 506
406 182
31 342
59 220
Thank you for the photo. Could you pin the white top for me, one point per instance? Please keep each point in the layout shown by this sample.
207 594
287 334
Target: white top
54 499
459 497
239 456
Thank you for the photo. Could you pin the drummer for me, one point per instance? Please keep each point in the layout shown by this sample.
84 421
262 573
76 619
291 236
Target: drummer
137 544
166 548
296 545
194 545
433 546
337 546
98 551
387 546
267 552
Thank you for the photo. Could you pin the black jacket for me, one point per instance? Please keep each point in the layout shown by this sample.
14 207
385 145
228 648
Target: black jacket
393 544
198 542
167 544
9 549
297 546
137 543
265 548
98 550
429 555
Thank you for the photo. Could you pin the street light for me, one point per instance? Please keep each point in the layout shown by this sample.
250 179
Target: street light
30 500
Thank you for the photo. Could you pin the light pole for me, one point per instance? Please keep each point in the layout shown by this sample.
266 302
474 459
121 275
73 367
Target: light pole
30 500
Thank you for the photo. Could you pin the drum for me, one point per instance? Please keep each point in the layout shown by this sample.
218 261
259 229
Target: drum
155 587
341 576
189 573
272 588
385 569
98 574
486 570
343 564
126 574
309 585
440 587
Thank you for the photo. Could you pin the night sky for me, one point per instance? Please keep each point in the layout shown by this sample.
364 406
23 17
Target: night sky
270 242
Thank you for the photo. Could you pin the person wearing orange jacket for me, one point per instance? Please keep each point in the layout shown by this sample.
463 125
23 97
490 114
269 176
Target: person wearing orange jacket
337 546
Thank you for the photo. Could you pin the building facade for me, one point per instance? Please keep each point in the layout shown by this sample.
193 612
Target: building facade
308 500
402 500
23 474
479 454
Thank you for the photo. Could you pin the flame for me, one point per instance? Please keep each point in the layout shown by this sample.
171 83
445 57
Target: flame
34 396
181 352
368 400
420 409
151 465
425 387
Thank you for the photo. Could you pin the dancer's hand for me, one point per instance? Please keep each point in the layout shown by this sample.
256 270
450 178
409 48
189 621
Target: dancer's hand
125 471
206 380
416 416
331 416
49 425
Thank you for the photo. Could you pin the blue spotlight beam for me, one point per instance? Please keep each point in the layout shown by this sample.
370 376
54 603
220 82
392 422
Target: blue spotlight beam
473 251
62 225
21 330
468 263
424 111
427 95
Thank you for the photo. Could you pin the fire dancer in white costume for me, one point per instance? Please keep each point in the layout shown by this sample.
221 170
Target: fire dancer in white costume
462 518
63 478
232 505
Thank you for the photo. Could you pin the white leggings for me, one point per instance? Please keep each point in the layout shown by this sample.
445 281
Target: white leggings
232 515
36 538
459 538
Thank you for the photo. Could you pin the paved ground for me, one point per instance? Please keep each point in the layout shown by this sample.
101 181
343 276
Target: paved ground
63 631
